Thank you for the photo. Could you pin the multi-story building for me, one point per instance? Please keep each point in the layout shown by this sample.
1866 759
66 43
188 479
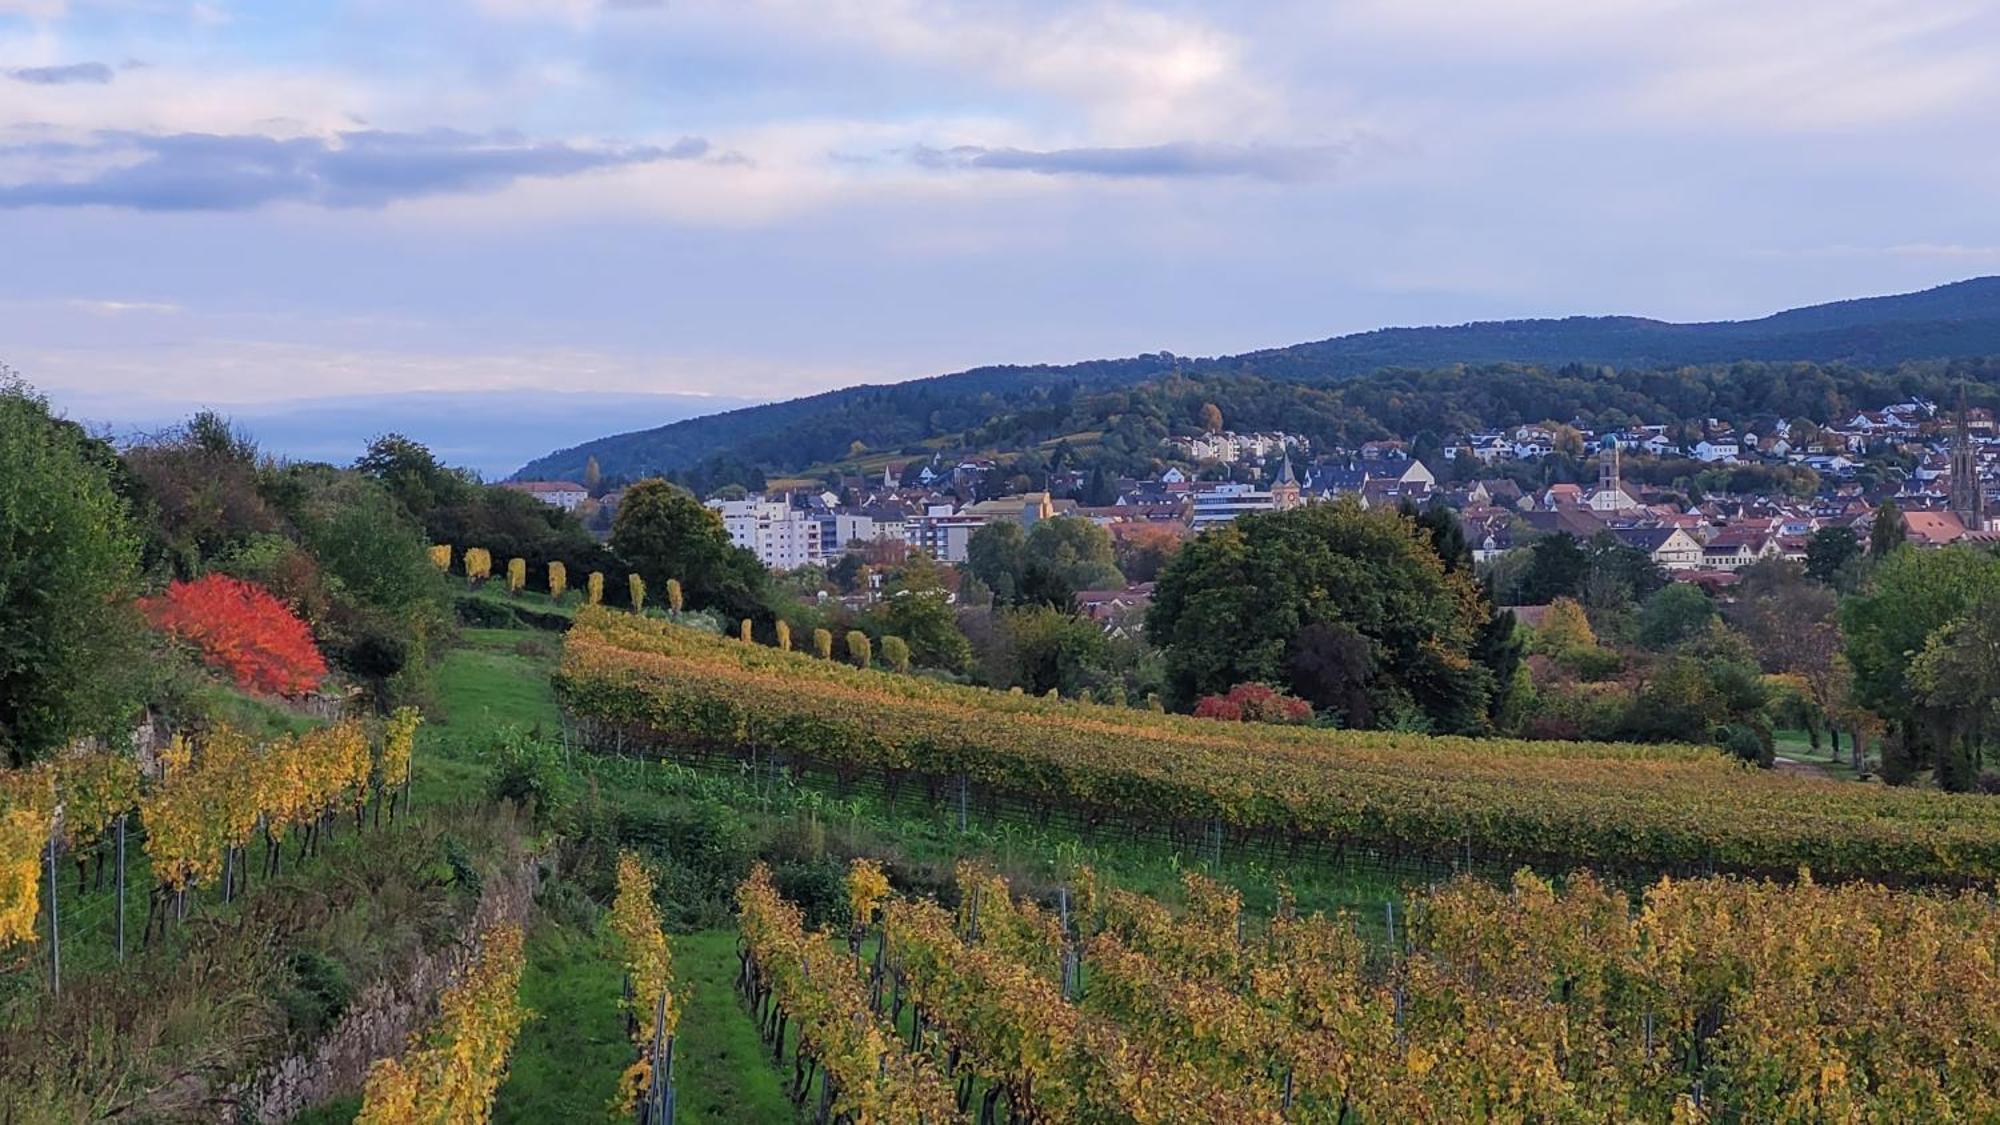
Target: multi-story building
781 536
1223 503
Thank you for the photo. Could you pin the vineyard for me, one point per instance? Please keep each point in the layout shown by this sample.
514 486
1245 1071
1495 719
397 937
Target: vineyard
206 804
1712 999
636 684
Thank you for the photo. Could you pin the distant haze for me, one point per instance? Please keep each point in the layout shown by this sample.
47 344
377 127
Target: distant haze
491 432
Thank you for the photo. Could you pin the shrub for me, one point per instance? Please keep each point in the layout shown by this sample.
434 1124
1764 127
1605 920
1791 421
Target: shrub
896 653
528 771
1254 703
823 643
240 629
784 632
859 650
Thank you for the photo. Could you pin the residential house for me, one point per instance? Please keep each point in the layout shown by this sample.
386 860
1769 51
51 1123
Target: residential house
567 495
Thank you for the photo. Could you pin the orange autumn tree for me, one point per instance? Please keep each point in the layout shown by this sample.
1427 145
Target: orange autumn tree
240 629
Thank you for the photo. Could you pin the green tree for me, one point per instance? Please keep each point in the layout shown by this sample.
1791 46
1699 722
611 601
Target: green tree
663 532
1675 613
1077 551
1557 567
1046 648
1886 533
1231 606
895 653
69 635
1957 682
1829 552
997 555
1912 595
916 606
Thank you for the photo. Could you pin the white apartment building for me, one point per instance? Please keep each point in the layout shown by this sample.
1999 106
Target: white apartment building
1223 503
781 536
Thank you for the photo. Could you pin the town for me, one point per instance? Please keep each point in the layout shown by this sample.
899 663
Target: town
1946 495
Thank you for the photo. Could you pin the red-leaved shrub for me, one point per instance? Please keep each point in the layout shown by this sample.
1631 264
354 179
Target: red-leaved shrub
239 628
1254 703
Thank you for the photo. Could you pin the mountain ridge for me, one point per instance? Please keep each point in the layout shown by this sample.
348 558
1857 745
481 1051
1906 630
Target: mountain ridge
1960 318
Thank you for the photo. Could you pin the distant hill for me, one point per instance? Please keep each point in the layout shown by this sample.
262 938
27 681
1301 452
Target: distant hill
489 431
1960 319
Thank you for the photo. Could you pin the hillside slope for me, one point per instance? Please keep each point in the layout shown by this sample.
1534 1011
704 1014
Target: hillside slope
1960 319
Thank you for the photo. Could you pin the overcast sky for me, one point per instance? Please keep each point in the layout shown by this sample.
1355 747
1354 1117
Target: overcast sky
242 203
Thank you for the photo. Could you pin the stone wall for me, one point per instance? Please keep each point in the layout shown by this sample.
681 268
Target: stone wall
380 1018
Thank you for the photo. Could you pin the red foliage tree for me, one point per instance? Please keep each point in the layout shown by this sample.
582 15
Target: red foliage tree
239 628
1254 703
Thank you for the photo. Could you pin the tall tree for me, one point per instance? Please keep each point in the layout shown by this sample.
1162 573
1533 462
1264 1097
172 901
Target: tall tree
1886 533
69 631
663 532
1232 606
916 606
1912 595
1829 552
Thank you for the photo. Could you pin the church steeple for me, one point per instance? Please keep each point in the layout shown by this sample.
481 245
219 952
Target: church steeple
1968 499
1285 489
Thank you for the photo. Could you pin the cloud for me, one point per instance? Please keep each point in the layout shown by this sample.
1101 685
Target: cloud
241 172
1176 160
115 308
92 72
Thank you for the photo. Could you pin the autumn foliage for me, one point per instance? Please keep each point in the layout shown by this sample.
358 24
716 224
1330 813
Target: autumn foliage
239 628
1254 703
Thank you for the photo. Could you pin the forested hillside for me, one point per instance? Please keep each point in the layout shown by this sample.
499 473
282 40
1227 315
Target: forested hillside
1952 321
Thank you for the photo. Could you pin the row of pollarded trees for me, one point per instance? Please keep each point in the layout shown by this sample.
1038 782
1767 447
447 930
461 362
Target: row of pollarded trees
860 651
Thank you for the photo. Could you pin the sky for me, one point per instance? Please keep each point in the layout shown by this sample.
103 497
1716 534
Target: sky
259 206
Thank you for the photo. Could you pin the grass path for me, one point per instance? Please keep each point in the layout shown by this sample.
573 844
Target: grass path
724 1071
567 1062
568 1059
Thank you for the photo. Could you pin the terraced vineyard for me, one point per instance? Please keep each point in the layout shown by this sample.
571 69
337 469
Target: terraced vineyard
636 683
1714 999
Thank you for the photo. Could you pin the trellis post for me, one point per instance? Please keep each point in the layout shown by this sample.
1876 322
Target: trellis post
55 925
120 832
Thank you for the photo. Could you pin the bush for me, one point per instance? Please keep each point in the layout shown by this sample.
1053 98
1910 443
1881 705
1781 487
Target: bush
1254 703
1745 743
700 851
818 888
316 995
528 771
241 630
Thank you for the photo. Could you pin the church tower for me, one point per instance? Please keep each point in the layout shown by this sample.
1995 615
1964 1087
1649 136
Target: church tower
1607 468
1285 490
1968 499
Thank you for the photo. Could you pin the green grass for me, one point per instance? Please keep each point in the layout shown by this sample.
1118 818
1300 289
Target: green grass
568 1059
1797 745
261 718
723 1070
